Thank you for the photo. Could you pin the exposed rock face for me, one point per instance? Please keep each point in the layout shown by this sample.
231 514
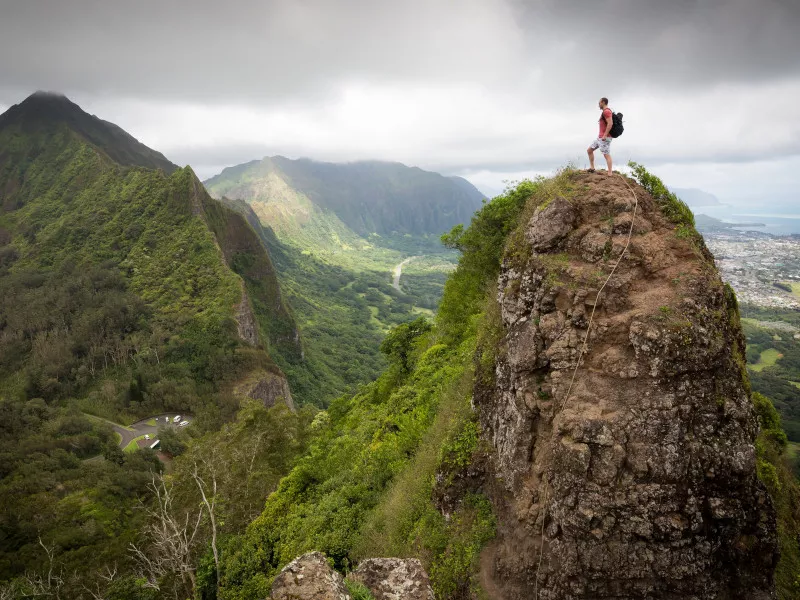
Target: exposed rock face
246 321
641 483
269 387
394 579
309 577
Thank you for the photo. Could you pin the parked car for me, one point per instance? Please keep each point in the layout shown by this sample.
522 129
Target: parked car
176 419
146 436
183 423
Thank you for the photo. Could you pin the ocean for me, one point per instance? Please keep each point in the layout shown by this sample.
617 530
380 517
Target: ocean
774 223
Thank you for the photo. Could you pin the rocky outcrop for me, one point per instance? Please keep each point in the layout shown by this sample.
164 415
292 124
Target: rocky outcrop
246 321
268 387
394 578
641 482
309 577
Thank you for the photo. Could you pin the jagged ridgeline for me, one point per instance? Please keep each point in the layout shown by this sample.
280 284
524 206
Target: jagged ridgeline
656 474
123 284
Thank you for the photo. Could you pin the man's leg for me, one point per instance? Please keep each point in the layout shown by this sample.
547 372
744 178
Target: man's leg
591 157
608 162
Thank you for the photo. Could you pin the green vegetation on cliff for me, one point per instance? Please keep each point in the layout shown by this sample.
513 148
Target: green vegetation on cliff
775 471
119 296
367 482
341 315
113 286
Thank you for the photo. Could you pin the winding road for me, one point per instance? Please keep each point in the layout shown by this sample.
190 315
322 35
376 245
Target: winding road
398 270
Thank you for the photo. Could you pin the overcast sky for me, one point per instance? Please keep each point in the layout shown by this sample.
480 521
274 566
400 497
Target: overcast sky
489 89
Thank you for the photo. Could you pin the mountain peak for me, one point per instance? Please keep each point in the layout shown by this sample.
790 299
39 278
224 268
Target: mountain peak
42 105
44 111
47 95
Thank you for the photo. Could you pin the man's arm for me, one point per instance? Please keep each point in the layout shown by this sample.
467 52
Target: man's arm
609 125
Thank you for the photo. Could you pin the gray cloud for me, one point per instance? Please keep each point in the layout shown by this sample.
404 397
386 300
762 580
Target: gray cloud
270 51
500 86
687 42
246 50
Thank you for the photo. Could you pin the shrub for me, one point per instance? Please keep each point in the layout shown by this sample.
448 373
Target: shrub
675 209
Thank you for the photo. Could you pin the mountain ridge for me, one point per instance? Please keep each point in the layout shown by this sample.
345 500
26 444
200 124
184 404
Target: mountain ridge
369 197
41 109
61 187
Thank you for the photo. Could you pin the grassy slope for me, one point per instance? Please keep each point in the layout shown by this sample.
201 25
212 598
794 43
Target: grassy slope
774 363
768 358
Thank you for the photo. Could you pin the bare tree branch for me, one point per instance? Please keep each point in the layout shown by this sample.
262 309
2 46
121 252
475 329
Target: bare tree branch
171 540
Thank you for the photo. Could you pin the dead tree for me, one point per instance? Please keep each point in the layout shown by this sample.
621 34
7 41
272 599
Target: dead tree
172 539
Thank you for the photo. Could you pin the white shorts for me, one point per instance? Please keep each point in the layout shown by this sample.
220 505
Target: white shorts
603 145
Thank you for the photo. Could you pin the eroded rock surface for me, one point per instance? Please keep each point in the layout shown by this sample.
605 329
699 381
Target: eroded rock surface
270 387
246 320
641 483
394 578
309 577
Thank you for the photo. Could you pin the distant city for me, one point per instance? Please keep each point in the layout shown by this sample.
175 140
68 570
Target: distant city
763 269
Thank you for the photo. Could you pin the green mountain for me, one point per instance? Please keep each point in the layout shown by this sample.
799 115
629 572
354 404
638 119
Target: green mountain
367 197
44 111
119 267
337 233
125 291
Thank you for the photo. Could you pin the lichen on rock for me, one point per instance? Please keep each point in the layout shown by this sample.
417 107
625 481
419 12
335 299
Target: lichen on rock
394 578
309 577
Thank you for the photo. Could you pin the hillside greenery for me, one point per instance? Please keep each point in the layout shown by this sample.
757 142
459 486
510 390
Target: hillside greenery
56 496
339 312
336 274
774 469
773 357
118 292
366 197
365 486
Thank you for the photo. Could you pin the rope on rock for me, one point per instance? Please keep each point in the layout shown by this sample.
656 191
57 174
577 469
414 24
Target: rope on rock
597 298
578 363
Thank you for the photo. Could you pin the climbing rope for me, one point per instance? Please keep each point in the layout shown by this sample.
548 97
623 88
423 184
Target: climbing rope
578 363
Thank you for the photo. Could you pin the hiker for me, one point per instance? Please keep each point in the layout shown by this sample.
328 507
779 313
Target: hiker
603 141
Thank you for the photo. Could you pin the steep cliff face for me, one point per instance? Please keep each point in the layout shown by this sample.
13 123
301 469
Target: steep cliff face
638 480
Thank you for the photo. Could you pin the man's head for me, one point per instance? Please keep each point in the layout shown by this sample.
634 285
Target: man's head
603 103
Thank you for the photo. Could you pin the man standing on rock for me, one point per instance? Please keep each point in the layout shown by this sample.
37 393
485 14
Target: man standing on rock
603 141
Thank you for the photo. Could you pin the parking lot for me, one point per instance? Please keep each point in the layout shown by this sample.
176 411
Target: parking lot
150 427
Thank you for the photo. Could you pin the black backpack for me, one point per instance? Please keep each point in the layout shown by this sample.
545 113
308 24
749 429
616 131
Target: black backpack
616 125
